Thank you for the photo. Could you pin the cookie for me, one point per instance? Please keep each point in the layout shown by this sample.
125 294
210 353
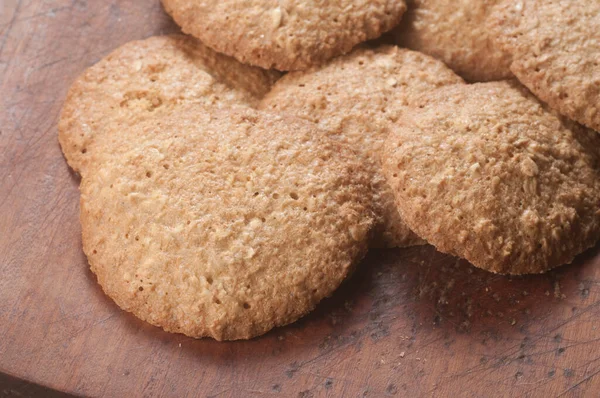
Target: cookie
457 33
357 98
487 173
555 47
285 35
148 78
223 223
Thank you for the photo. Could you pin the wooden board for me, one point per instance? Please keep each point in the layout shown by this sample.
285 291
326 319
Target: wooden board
410 322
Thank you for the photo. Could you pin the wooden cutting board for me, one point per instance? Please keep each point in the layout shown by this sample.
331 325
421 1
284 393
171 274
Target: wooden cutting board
409 323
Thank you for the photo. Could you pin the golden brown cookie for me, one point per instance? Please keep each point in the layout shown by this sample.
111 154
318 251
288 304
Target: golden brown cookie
357 98
555 45
285 35
487 173
456 32
223 223
149 78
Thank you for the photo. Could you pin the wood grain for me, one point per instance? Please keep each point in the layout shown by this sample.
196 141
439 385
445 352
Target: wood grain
410 322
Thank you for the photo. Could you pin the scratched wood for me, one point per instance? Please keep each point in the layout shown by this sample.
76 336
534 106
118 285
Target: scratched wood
409 323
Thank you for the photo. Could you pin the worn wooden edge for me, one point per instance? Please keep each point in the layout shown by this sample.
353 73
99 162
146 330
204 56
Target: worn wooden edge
11 386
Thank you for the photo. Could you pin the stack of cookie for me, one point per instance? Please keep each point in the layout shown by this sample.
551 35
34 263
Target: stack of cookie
233 178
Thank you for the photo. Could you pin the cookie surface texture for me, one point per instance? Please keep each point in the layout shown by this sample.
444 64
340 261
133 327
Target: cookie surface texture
285 35
147 78
357 98
487 173
457 33
556 53
224 223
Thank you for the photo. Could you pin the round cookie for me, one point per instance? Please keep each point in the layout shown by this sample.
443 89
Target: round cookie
487 173
357 98
285 35
555 47
224 223
456 32
149 78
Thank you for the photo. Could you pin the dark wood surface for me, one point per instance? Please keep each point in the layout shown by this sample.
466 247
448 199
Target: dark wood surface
409 323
